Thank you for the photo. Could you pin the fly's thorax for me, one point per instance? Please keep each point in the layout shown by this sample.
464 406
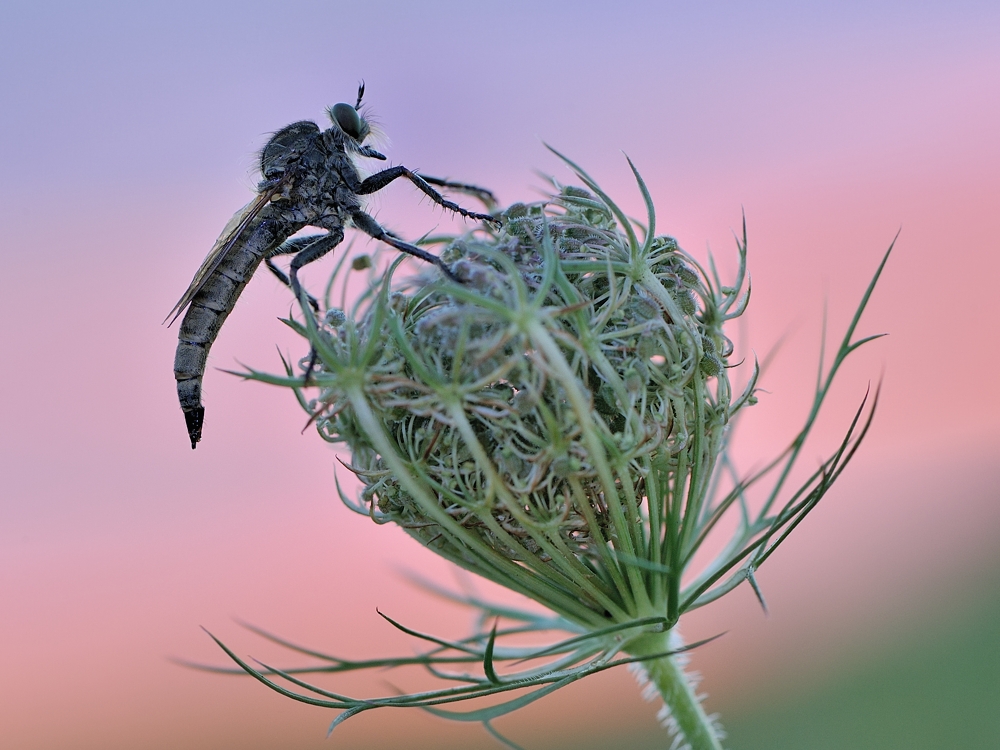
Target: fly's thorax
347 200
333 220
287 147
293 212
316 189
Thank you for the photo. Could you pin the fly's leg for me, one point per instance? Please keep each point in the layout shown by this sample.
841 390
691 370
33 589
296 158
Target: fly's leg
305 250
483 195
373 229
313 359
312 248
380 179
292 247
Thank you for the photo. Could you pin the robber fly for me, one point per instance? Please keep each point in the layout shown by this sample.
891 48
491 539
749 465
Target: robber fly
309 180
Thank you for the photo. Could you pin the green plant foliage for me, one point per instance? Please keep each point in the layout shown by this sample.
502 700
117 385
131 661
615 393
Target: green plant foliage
556 423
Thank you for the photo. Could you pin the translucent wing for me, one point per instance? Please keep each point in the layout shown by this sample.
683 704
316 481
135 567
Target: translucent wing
226 242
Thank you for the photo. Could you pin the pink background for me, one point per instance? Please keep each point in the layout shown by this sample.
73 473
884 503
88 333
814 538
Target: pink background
128 137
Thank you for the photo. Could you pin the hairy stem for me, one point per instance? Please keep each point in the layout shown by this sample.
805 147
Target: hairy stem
678 695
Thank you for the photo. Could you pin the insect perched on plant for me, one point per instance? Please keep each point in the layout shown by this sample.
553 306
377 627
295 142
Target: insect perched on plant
309 180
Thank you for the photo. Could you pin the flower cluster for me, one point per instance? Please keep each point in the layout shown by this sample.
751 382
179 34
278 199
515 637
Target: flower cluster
540 423
557 423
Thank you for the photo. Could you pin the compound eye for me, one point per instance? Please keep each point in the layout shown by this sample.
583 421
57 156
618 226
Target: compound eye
348 119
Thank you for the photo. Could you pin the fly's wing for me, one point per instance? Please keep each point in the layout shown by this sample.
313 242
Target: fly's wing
226 242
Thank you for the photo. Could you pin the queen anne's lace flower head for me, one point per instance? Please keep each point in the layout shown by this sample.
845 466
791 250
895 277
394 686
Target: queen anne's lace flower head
557 423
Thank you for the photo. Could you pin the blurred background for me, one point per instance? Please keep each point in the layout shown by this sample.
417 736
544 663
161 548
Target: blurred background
128 133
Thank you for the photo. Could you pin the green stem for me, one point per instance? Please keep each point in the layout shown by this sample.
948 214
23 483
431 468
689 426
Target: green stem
673 686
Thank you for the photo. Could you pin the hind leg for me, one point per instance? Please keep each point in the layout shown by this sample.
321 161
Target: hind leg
306 250
290 248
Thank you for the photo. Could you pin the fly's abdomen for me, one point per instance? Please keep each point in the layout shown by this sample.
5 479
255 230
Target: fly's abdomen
199 329
203 320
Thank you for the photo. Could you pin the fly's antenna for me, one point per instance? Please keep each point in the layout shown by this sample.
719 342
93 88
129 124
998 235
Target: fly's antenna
361 93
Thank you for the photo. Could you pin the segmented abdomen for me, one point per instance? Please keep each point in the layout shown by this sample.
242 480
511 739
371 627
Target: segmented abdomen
204 318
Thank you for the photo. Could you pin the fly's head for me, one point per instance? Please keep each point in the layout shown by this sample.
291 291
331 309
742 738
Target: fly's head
350 127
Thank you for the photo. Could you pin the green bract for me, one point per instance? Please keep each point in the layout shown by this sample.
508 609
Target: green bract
556 423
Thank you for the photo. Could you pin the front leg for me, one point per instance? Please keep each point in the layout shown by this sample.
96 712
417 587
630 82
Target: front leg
483 195
380 179
373 229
